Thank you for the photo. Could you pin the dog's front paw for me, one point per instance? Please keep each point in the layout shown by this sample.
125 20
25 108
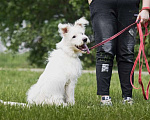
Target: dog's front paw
65 104
71 102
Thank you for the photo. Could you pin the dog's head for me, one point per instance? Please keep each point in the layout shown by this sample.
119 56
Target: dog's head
74 35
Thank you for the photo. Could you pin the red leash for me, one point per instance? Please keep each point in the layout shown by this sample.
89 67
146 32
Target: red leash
141 50
114 36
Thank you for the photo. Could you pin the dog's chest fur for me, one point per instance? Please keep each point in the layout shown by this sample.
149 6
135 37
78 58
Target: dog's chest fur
65 64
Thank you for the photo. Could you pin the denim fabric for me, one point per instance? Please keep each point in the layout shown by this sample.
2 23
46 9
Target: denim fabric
109 17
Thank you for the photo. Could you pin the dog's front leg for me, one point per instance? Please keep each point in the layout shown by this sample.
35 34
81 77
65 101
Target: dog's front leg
70 92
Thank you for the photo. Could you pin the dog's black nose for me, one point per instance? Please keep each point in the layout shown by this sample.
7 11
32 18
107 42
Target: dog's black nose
84 39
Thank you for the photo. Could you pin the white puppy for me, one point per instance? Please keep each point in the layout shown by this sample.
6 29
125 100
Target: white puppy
57 83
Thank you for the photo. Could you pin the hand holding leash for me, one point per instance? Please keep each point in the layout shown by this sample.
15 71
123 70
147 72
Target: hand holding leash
143 16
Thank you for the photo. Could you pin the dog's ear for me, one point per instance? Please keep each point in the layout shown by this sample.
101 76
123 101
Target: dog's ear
63 29
82 22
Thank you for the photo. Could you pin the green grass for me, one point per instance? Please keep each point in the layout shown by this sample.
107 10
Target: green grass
14 85
9 60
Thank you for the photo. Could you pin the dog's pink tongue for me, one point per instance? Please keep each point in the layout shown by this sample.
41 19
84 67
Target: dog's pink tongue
87 49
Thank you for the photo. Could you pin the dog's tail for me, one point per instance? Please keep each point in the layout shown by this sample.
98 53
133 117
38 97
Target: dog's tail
14 103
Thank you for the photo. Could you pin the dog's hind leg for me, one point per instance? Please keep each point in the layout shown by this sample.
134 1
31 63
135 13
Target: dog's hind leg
70 92
56 100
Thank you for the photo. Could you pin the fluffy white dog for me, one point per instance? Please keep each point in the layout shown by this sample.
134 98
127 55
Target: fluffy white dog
57 83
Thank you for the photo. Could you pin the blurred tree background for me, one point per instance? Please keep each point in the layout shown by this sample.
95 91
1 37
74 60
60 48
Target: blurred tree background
33 24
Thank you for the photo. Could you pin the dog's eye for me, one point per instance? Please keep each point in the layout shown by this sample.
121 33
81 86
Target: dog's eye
74 36
82 33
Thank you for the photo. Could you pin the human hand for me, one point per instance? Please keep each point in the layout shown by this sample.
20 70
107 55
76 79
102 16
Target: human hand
143 16
89 1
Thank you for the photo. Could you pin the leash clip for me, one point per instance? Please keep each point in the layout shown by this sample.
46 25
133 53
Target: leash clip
138 21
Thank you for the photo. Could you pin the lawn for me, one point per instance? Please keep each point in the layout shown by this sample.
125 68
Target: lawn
14 85
9 60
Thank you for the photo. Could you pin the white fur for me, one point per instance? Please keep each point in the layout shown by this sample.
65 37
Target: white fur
57 83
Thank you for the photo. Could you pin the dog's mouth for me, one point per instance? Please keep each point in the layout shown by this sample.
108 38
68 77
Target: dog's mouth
83 48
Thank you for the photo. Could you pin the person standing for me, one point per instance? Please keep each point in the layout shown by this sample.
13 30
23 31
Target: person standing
109 17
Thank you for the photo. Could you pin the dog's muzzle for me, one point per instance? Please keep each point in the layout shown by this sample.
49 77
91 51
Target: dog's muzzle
84 48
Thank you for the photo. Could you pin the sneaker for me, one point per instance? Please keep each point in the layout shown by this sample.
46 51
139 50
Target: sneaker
127 100
106 100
